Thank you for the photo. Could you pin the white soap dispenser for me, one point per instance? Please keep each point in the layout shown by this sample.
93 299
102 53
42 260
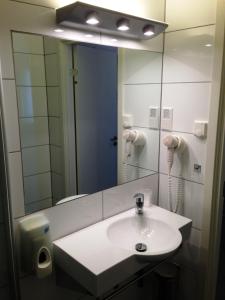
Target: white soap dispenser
35 246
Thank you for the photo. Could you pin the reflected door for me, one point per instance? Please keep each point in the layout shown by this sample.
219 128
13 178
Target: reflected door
96 116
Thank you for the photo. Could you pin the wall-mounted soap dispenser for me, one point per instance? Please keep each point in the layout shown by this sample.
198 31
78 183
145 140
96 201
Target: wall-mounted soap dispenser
35 246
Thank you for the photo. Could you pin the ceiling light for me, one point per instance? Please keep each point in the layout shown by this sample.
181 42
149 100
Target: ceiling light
58 30
208 45
123 25
92 19
114 40
149 30
89 35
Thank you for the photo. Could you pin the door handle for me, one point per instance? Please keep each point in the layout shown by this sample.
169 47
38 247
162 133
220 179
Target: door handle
114 139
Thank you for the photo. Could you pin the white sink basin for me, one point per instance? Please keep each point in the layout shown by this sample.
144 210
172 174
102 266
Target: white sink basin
103 255
159 238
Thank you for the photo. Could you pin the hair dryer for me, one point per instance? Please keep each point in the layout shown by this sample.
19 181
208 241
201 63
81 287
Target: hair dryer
174 144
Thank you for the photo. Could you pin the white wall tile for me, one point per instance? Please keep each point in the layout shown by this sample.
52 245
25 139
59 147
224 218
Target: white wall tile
7 65
52 69
55 131
58 190
57 159
29 69
72 216
32 101
36 160
190 13
16 184
141 67
192 201
120 198
186 57
131 173
146 156
138 99
50 45
149 9
38 205
155 44
183 165
27 43
10 114
190 102
34 131
37 187
54 97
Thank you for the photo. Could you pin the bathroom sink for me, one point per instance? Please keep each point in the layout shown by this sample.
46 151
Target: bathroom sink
103 255
149 237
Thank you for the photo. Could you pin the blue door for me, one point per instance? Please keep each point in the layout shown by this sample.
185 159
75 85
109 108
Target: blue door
96 117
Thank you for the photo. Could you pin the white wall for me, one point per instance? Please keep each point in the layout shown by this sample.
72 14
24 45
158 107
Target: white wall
143 8
141 73
187 78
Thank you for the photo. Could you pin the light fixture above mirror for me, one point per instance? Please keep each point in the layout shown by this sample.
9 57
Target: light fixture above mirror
93 18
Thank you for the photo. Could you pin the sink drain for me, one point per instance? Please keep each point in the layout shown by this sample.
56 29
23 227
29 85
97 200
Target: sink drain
140 247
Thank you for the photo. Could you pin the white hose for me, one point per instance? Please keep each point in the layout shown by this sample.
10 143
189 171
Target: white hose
180 189
170 155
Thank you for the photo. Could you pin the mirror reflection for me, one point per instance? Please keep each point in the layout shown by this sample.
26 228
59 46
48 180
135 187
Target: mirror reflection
89 117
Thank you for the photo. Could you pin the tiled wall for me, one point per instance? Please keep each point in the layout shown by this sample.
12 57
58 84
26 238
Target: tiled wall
187 76
54 101
30 72
40 118
141 73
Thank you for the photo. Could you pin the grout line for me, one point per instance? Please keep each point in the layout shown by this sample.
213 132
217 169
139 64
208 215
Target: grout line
51 53
160 107
195 228
28 53
188 28
35 174
33 86
143 83
142 168
185 179
32 117
17 151
149 128
36 201
184 82
56 173
185 132
34 146
27 3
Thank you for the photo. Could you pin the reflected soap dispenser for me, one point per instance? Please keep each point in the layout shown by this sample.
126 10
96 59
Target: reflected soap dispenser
35 246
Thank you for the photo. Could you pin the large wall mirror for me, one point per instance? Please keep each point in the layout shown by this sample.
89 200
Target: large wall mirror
88 116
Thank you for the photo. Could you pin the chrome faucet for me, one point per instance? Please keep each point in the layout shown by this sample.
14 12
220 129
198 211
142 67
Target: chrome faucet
139 203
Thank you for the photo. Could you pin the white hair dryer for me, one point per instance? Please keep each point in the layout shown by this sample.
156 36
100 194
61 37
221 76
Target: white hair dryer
132 138
174 144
